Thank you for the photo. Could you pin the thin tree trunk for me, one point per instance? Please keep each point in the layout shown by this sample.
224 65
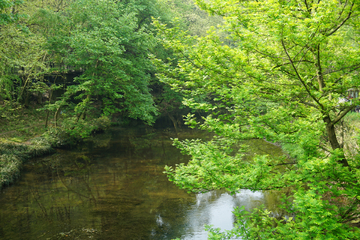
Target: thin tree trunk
57 115
330 129
48 111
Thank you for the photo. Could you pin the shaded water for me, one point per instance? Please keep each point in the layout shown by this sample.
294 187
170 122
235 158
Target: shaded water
113 188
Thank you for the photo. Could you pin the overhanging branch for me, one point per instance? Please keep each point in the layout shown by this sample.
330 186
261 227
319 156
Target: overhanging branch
299 77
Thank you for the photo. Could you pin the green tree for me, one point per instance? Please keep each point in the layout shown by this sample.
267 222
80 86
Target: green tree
23 61
196 22
23 56
282 79
108 42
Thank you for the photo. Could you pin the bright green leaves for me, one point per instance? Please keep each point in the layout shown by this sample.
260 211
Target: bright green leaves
202 175
313 212
316 218
282 75
313 220
218 164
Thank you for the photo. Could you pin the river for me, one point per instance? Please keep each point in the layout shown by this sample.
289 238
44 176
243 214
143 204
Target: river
113 187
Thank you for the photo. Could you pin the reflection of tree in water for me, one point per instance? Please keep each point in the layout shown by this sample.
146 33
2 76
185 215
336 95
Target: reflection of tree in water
46 206
144 188
112 190
118 192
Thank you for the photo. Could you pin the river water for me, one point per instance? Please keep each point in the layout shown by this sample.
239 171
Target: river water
113 187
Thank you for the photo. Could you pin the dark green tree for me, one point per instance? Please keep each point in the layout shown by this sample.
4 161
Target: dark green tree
107 42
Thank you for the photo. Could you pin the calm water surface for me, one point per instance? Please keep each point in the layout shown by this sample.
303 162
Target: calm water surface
113 188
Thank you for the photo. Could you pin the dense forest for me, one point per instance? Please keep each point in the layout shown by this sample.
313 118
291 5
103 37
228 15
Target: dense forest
85 60
282 71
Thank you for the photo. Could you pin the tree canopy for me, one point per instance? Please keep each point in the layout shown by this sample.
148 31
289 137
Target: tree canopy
103 44
8 13
282 78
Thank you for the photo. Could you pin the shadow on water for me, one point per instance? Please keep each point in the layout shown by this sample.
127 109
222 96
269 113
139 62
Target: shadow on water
113 187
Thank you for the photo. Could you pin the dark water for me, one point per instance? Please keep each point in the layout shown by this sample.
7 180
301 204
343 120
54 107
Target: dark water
113 188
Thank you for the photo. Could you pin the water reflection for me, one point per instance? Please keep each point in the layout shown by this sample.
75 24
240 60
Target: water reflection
114 188
215 208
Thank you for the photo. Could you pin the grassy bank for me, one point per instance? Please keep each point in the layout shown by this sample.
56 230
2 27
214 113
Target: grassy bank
12 157
23 136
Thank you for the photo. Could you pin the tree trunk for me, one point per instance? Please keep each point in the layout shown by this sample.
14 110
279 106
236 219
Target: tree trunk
330 129
57 115
48 111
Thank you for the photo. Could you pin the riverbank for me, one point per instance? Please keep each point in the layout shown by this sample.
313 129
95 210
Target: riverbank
23 136
13 156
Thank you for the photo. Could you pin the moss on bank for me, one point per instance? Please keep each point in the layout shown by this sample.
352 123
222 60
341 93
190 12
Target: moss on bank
13 155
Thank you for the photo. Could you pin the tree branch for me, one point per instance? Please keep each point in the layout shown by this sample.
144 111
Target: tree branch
342 10
300 61
319 70
343 22
357 66
299 77
339 117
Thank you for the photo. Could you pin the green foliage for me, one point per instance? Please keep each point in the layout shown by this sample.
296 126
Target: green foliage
23 54
108 42
23 61
83 128
281 78
7 11
193 19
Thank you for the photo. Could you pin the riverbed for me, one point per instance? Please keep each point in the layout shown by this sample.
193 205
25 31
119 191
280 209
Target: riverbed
113 187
